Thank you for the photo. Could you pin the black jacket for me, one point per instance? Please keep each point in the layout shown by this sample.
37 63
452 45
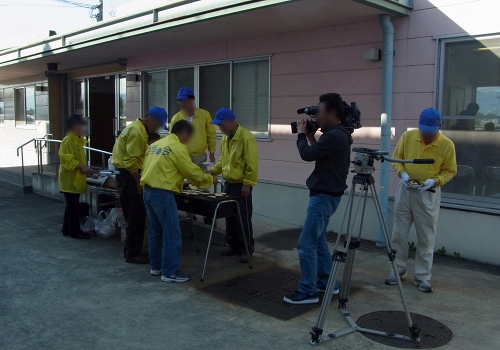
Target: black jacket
332 154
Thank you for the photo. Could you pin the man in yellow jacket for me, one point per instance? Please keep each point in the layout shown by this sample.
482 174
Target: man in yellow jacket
204 136
73 173
166 166
128 158
238 164
420 205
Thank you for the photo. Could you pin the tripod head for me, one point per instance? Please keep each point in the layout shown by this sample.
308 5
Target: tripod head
365 158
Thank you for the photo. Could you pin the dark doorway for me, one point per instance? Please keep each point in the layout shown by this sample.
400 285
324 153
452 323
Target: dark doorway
102 117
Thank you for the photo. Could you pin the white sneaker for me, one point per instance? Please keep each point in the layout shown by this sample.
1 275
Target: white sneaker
391 277
155 272
424 286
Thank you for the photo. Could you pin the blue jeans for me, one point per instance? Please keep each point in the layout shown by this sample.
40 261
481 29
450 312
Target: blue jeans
164 231
314 254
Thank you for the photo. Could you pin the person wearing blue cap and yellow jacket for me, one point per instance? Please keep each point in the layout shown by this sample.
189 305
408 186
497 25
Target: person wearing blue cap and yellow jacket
166 166
238 165
128 158
419 205
204 136
73 174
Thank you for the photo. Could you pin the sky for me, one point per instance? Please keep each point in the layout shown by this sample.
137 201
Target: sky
21 19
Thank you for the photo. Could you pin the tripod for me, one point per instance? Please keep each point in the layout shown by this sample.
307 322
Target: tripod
363 165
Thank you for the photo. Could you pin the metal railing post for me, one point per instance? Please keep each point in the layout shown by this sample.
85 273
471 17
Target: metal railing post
22 165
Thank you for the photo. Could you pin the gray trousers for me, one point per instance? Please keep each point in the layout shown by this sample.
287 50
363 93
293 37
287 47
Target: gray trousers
199 160
420 208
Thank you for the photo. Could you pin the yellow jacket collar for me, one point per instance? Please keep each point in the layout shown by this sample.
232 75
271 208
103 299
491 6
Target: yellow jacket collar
237 134
173 137
79 139
142 126
183 114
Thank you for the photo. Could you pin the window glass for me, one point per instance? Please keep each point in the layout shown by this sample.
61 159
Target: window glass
122 104
156 87
471 113
29 106
178 78
79 97
215 87
2 107
19 106
251 95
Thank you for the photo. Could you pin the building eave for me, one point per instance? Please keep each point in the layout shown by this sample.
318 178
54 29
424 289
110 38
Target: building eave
169 16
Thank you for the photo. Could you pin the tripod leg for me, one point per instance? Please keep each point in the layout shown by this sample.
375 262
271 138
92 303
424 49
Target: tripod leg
414 330
338 257
351 251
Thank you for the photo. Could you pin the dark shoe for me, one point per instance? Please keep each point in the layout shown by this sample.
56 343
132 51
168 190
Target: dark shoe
144 253
244 258
81 236
65 234
230 252
301 298
137 259
322 287
207 220
175 277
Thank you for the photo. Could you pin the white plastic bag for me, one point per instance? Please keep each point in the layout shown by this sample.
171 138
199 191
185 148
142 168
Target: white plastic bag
104 225
89 225
117 215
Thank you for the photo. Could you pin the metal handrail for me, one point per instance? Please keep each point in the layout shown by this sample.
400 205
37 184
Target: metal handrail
38 146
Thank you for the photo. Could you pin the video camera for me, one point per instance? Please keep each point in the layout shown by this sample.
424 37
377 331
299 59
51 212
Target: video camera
351 119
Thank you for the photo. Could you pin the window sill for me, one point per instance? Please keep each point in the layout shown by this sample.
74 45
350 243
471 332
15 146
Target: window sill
26 126
471 206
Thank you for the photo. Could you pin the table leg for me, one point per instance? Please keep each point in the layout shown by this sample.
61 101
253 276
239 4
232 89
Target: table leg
209 243
244 235
194 232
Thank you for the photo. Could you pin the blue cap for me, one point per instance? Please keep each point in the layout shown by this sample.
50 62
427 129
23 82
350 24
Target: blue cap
430 121
222 115
184 92
159 114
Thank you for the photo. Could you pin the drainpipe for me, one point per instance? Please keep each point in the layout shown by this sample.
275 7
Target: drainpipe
386 117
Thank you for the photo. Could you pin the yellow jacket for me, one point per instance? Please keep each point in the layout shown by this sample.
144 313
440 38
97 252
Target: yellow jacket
238 160
130 147
71 154
168 163
204 133
442 150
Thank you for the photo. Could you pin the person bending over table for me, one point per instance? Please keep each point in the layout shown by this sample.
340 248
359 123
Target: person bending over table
166 166
73 174
238 164
128 158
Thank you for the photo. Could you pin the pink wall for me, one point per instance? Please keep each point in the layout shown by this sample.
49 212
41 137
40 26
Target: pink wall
307 63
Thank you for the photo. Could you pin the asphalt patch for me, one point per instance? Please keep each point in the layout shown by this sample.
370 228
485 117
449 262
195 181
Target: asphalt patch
263 292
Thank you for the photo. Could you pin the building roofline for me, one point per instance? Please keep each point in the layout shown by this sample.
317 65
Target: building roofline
172 15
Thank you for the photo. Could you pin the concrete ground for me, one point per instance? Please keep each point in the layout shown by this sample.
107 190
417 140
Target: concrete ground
60 293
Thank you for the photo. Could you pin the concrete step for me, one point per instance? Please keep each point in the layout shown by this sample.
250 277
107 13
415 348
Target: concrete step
14 181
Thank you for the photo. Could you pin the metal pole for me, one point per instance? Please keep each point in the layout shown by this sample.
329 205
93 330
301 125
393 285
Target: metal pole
386 117
22 164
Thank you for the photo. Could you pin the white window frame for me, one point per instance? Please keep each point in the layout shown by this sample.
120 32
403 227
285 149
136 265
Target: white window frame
260 136
450 200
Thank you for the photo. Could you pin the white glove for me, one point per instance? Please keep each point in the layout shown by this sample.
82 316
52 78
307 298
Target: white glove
427 185
405 178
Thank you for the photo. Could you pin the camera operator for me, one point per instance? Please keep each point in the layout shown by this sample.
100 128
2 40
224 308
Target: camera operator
327 183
